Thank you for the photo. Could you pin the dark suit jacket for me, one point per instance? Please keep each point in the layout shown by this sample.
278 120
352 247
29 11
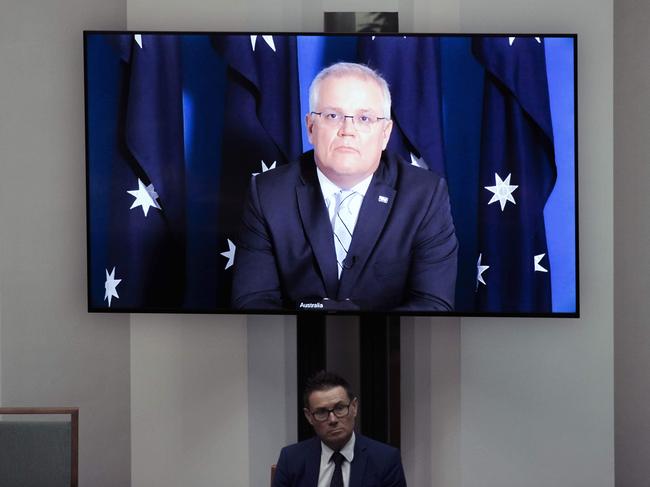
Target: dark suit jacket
402 256
374 465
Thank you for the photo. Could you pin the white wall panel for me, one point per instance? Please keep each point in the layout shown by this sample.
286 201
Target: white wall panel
189 420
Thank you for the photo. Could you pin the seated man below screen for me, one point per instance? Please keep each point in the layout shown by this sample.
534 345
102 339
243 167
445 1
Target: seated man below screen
347 227
336 457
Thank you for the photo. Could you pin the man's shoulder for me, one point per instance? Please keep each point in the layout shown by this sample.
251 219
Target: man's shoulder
289 173
382 461
403 174
302 448
365 443
284 173
362 443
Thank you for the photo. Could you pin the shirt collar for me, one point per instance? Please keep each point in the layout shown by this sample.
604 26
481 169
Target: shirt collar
347 451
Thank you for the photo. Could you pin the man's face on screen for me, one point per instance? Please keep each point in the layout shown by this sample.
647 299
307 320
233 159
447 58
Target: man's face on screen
334 431
345 152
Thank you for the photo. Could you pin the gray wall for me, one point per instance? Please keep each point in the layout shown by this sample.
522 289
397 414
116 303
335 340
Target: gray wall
537 394
431 401
189 420
53 353
632 241
487 402
272 398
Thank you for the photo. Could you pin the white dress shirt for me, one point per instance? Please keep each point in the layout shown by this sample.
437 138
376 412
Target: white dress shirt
327 468
329 190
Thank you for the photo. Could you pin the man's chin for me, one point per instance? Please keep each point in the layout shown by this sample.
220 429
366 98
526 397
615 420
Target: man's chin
337 433
346 162
337 439
345 170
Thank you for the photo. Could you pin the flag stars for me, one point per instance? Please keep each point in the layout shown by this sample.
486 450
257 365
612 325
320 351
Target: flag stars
480 269
418 161
511 40
502 191
110 286
265 168
268 39
145 197
229 254
536 261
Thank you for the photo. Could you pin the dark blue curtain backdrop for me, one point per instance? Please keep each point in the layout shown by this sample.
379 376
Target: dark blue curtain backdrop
168 165
261 124
411 66
517 154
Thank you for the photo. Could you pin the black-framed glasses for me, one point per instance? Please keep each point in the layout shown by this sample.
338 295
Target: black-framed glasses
363 122
322 414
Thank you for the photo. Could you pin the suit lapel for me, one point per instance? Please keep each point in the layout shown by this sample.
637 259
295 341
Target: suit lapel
317 226
312 467
374 212
358 465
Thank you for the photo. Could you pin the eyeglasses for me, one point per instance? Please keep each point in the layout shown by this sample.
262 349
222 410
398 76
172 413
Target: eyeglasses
363 122
340 411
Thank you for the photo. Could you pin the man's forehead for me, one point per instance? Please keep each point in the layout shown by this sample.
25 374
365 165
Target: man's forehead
328 397
334 86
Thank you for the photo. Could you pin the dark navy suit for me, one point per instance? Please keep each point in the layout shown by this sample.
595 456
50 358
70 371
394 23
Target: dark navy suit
374 465
402 256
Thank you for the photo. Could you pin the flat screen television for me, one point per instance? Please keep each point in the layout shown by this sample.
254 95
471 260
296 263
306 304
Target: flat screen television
216 185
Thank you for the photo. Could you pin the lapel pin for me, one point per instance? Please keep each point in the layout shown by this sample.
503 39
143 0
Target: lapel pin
383 199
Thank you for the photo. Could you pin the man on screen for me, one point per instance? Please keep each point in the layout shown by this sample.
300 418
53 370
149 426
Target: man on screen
348 226
336 457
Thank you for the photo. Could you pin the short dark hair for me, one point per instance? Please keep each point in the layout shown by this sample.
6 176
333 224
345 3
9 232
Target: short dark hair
322 381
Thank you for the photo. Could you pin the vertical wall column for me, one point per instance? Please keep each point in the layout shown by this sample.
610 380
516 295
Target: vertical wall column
380 364
431 401
271 391
631 242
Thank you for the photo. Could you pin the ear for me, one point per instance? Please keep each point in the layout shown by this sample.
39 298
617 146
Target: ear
385 134
308 416
354 407
309 123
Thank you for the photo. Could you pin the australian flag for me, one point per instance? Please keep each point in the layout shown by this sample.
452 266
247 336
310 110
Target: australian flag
146 254
411 66
261 123
517 174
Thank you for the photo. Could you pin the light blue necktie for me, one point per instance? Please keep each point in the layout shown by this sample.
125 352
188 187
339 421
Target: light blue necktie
345 218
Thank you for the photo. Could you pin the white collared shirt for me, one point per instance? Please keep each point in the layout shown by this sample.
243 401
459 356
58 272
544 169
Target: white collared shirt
329 190
327 468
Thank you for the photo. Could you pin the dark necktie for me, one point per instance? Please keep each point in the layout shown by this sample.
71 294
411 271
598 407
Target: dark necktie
337 478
